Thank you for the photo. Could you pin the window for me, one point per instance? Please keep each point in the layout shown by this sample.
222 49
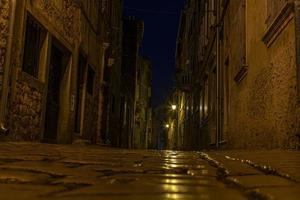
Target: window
34 38
90 80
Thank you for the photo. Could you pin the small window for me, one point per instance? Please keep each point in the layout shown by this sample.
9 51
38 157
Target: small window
90 80
34 38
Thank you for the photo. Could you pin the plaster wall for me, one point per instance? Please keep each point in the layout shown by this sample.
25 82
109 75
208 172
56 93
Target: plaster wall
263 108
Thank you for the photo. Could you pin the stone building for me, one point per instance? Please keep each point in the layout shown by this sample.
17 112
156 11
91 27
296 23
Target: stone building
143 112
52 67
132 37
186 71
242 60
111 86
159 134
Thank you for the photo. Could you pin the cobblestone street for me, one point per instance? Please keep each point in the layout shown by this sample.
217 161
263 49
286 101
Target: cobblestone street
41 171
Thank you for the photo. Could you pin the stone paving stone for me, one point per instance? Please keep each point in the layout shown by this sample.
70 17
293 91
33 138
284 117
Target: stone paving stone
165 179
43 171
168 196
283 160
259 181
15 176
51 167
166 191
290 193
27 192
37 167
235 167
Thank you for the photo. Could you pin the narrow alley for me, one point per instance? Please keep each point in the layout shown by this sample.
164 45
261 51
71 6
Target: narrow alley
149 99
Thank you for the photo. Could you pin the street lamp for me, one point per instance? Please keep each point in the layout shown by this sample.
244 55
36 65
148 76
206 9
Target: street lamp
174 107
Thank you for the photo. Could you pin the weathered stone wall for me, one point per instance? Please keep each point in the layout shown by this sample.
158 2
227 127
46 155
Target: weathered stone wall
60 19
4 31
26 112
63 14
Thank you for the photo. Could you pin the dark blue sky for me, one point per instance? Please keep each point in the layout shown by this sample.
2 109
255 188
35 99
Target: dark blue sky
161 18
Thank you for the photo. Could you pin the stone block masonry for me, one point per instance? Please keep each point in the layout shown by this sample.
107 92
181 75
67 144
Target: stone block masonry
4 29
27 113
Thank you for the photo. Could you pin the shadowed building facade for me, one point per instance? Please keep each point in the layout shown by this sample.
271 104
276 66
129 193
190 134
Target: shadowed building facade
52 67
143 113
237 74
111 87
132 37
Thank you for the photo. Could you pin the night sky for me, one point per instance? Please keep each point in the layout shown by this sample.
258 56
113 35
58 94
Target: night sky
161 18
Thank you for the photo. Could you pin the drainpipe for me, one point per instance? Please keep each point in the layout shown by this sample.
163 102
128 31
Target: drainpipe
218 129
7 67
297 38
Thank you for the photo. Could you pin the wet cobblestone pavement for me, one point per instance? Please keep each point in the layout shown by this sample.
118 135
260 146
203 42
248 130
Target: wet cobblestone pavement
40 171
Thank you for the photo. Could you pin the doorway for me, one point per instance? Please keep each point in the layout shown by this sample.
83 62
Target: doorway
56 69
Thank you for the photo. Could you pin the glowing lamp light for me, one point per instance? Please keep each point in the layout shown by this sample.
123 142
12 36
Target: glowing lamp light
167 125
174 107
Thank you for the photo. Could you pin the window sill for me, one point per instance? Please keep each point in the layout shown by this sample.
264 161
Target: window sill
31 80
278 24
241 74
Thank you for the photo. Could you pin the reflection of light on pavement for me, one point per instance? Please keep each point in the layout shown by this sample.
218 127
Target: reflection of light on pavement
182 196
173 196
174 156
171 165
229 158
173 159
191 172
171 181
171 175
171 188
